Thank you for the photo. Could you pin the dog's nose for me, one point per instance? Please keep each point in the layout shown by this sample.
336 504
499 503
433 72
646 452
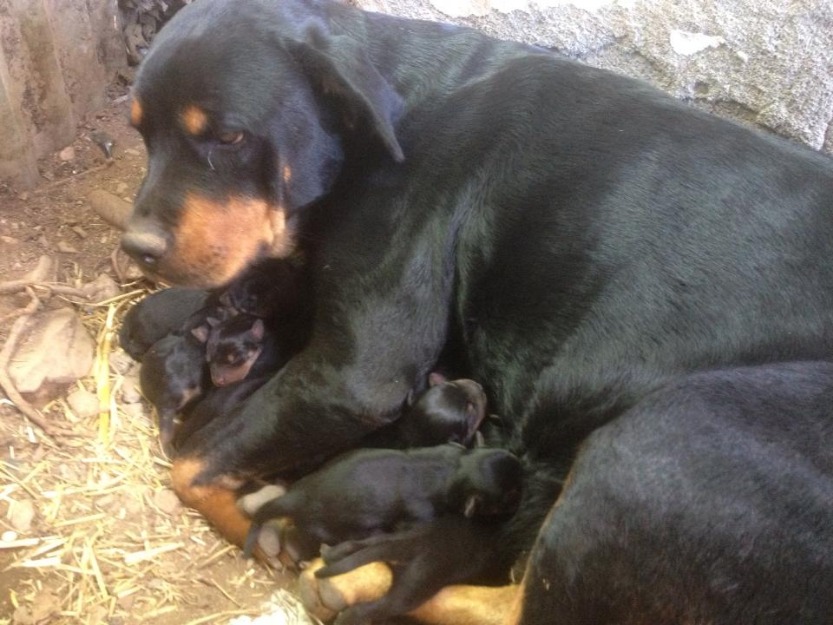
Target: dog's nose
146 247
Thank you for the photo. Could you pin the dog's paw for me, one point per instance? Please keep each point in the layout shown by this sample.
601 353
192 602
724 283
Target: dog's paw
324 598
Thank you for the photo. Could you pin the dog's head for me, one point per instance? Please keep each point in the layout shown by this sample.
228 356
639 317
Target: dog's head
244 108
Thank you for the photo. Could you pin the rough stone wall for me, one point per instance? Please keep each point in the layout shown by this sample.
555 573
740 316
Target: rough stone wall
767 62
56 59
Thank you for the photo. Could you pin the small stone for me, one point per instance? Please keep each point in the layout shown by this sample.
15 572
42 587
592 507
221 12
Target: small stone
67 154
24 196
8 536
167 501
66 248
56 351
9 240
79 231
131 152
121 362
101 289
135 411
134 505
21 514
121 188
105 501
130 391
45 605
84 403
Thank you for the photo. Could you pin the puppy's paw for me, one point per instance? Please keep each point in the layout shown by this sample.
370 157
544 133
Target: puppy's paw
252 502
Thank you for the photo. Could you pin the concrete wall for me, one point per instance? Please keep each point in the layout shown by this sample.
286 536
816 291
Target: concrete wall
767 62
56 59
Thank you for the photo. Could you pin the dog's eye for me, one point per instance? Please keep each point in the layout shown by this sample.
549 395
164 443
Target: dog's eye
234 137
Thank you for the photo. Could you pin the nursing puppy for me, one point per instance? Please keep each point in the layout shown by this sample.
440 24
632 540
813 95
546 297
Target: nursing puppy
368 491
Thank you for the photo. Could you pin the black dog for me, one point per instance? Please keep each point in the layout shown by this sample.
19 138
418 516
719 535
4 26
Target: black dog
367 491
174 374
739 460
568 237
449 411
270 290
158 315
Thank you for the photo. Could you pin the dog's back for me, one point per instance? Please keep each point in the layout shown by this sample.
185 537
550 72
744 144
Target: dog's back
709 502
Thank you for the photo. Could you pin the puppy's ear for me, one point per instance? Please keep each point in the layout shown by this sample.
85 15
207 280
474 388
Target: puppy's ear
472 505
435 378
200 333
343 69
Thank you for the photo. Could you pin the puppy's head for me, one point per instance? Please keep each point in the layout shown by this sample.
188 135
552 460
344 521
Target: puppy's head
488 482
240 135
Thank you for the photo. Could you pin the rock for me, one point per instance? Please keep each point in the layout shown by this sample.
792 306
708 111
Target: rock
66 248
67 154
9 240
8 536
764 62
45 271
21 514
101 289
84 403
121 362
110 208
167 501
135 411
45 605
130 393
55 352
133 505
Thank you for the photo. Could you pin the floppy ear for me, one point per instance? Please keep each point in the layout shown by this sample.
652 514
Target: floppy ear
342 67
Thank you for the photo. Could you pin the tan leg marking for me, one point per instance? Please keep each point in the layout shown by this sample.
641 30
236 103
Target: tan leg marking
323 598
453 605
469 605
218 504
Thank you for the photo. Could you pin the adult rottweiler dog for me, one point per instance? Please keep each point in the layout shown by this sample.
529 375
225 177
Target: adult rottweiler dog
571 238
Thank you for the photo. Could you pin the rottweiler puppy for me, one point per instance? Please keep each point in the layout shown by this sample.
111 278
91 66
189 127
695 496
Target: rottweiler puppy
242 346
269 290
174 374
449 411
156 316
367 491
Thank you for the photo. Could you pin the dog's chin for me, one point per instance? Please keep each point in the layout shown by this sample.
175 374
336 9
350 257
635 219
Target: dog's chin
172 271
194 278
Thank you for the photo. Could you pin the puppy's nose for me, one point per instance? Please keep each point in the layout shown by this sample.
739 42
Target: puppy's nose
147 247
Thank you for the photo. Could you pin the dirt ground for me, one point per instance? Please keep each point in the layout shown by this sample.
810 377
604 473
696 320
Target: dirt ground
108 542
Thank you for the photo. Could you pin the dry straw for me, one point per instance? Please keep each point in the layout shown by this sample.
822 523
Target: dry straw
109 544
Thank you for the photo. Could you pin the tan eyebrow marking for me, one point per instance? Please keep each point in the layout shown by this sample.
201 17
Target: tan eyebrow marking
194 119
136 112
